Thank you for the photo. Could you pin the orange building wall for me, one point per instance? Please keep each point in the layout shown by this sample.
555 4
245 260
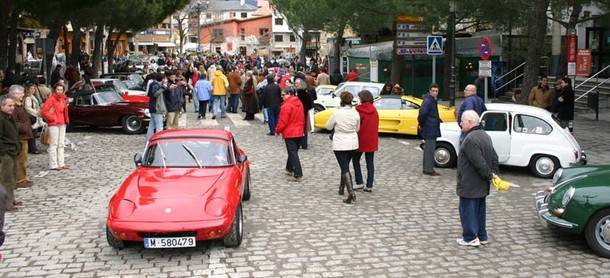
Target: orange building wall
232 28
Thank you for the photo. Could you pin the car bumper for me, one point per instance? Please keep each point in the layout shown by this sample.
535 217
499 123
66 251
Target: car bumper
202 230
543 213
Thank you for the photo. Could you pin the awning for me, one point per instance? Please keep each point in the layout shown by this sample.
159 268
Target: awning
159 44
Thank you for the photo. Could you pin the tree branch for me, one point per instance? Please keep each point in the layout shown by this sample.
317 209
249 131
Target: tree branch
563 23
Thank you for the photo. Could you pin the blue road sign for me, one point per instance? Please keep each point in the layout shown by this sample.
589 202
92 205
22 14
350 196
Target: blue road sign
435 45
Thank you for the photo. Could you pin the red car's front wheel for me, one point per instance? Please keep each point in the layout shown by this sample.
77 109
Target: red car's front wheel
113 241
233 239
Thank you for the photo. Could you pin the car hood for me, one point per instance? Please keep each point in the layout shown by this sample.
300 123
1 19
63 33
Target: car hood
595 174
172 194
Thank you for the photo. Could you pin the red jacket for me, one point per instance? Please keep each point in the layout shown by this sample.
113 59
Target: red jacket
352 76
368 135
292 119
55 110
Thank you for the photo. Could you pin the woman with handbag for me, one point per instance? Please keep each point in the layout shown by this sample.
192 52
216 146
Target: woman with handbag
32 106
345 123
55 113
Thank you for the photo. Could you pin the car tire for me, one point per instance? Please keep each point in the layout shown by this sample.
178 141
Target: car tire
544 166
247 195
233 239
597 233
318 108
444 155
132 124
113 241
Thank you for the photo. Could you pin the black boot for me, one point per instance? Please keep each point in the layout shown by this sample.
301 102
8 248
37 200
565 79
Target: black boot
342 185
351 195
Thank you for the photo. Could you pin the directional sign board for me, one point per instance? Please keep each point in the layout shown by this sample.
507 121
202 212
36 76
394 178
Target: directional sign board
434 45
485 68
410 35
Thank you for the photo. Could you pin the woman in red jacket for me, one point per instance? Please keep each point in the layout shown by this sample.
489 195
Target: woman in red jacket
55 113
368 140
292 127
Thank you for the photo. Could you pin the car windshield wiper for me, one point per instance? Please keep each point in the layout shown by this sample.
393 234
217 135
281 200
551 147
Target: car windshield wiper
192 155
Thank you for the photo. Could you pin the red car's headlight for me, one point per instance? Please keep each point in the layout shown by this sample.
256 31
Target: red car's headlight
216 207
124 209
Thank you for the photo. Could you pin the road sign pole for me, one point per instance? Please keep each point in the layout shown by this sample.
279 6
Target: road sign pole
434 69
486 98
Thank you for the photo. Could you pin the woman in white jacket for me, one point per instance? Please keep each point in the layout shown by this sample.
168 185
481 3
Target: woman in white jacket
345 123
32 106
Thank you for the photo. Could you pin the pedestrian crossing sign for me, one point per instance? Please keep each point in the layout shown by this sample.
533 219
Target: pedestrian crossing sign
435 45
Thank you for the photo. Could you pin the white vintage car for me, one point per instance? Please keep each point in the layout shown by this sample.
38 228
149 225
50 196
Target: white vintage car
522 136
332 100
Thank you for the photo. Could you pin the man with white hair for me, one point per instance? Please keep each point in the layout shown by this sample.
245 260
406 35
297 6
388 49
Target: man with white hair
477 165
471 102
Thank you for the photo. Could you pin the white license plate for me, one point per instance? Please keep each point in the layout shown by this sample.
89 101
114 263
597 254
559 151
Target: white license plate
169 242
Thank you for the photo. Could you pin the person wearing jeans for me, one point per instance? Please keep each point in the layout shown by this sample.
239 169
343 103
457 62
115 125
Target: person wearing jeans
345 123
368 140
219 90
156 106
55 113
291 127
271 101
202 93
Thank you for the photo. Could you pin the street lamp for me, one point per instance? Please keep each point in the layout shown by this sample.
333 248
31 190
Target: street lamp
451 31
199 7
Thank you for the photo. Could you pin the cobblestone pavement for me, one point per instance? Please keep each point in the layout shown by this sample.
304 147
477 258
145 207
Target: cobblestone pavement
406 227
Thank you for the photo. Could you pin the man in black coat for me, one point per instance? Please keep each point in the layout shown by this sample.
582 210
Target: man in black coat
429 128
272 99
477 165
564 100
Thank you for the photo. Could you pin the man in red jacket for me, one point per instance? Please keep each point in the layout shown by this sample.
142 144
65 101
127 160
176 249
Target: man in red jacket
291 126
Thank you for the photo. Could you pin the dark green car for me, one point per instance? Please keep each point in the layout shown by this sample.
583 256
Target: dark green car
579 202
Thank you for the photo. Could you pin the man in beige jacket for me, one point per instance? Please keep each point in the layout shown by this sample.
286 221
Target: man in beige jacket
540 95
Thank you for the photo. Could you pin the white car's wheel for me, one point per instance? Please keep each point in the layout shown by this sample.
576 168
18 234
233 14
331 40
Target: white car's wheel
444 155
544 166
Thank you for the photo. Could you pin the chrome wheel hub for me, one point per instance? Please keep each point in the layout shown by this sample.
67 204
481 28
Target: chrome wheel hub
442 156
603 231
545 165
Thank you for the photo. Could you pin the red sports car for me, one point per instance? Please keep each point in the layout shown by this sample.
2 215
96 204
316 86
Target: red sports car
187 186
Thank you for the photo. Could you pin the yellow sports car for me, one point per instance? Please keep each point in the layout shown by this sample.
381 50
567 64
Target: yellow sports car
397 114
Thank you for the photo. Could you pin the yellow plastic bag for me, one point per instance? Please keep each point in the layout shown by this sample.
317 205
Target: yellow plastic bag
500 184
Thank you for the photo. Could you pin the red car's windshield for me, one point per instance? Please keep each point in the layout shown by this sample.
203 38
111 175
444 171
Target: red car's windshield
188 153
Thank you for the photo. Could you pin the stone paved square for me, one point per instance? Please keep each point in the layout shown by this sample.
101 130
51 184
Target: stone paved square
406 227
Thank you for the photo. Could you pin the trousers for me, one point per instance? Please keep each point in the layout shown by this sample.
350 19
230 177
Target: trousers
56 147
472 216
8 168
293 163
22 162
370 168
429 148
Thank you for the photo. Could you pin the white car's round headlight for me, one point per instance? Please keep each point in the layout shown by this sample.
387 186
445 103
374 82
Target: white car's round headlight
567 197
557 176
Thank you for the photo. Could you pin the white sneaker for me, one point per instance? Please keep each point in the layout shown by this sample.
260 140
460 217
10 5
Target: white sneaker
358 186
474 243
484 242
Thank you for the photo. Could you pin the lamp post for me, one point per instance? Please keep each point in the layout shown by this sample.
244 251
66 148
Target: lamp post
451 31
199 7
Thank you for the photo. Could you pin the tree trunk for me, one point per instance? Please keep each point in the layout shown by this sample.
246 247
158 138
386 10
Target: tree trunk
109 49
336 64
303 51
5 11
76 34
66 48
12 37
51 42
536 31
97 50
